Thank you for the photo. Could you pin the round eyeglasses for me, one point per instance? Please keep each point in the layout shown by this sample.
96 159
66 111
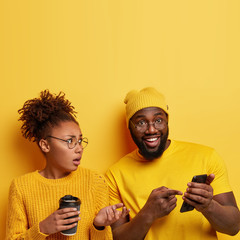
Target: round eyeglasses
73 141
143 125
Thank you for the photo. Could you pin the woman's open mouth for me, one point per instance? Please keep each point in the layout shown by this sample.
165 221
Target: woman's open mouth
76 162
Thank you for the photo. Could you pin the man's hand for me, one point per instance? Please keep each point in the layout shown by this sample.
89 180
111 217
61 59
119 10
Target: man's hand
160 202
200 195
57 221
108 215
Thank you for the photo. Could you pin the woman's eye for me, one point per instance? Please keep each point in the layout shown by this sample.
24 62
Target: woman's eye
70 140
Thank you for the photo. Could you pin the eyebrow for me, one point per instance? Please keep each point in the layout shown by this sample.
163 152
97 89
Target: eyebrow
156 114
73 135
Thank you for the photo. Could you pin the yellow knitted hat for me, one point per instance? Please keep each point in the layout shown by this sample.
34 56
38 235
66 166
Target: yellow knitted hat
147 97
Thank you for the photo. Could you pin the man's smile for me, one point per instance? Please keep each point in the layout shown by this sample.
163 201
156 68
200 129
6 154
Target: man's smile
152 142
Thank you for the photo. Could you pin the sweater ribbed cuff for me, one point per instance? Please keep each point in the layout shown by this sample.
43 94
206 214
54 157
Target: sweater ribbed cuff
34 233
100 234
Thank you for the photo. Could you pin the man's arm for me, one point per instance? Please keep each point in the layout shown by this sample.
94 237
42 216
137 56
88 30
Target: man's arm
160 203
137 228
223 214
220 210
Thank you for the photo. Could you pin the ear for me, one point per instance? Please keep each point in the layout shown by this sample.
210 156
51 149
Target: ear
167 117
43 144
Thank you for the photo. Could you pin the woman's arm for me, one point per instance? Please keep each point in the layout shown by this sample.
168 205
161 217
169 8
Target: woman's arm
17 223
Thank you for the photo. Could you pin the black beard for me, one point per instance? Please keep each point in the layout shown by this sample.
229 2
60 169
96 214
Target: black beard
144 151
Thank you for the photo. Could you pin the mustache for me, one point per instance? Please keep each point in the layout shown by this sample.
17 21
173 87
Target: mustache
153 135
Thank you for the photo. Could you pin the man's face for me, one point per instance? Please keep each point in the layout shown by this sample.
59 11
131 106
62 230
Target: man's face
149 130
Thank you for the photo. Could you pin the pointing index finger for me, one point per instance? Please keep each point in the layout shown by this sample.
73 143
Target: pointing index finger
171 192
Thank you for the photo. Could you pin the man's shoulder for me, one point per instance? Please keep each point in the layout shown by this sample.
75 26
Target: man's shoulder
190 149
191 146
126 160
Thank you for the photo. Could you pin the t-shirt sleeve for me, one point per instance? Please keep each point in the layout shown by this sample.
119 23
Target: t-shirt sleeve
113 188
17 223
217 166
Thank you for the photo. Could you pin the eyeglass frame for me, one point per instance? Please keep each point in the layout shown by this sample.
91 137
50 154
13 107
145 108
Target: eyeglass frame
147 125
67 141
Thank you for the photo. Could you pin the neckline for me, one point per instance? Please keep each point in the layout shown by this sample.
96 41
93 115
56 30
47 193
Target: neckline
48 181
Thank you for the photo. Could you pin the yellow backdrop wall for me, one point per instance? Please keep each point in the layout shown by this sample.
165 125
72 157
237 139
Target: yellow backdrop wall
96 51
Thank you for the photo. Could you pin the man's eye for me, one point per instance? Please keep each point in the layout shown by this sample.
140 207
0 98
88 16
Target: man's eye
141 123
159 120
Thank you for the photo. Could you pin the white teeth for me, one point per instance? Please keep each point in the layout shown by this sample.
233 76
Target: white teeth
151 139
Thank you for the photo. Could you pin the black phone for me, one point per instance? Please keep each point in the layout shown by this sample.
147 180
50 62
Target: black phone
199 179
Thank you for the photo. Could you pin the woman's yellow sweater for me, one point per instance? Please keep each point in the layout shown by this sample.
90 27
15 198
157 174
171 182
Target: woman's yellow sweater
32 198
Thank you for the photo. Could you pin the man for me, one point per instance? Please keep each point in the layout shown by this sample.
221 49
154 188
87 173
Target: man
151 180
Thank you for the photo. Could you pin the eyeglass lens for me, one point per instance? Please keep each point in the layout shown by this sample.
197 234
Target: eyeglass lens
145 126
73 142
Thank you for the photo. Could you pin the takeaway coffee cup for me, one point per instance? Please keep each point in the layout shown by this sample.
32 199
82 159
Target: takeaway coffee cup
69 201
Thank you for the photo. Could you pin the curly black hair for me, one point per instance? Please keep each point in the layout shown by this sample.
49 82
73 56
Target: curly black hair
39 115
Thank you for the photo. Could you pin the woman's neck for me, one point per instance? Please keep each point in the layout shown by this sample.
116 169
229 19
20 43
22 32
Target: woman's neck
53 173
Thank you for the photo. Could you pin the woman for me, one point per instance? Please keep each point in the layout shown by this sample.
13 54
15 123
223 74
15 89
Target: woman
34 198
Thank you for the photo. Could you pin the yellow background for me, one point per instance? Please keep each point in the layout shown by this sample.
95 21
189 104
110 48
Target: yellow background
97 50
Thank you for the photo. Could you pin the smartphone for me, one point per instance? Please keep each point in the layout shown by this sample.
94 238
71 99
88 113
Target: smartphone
199 179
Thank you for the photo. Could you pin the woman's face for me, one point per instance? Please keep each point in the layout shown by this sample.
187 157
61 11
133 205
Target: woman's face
60 159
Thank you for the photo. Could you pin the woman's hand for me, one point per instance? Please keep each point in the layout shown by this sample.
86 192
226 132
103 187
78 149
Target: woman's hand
57 221
108 215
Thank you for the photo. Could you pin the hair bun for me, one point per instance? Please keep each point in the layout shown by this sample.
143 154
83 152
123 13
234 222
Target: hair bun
38 113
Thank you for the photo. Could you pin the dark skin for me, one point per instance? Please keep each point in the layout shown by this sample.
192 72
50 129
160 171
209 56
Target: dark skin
151 142
221 210
59 163
160 203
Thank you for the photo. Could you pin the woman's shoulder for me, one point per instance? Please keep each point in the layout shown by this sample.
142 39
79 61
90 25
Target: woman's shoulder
89 172
93 176
25 177
20 182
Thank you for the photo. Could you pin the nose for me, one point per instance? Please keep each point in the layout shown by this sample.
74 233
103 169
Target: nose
151 129
78 148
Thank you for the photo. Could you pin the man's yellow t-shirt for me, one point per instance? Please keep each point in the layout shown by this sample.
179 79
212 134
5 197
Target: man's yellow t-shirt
132 179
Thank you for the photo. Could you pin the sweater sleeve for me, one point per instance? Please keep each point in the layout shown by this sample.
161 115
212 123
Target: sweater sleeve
17 222
100 191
